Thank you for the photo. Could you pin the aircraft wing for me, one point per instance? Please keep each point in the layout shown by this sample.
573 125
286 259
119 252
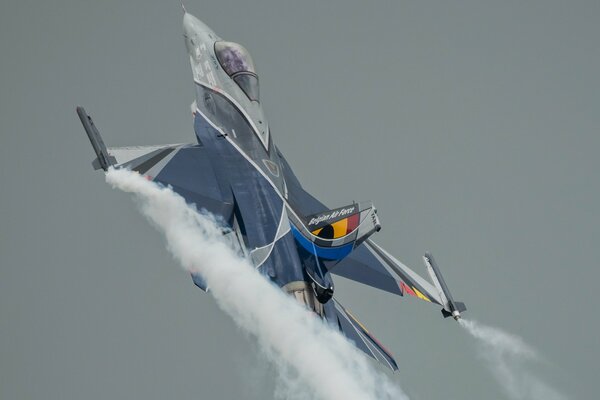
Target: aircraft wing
368 263
371 265
185 167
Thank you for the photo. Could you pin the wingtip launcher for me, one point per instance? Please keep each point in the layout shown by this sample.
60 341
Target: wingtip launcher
451 308
104 160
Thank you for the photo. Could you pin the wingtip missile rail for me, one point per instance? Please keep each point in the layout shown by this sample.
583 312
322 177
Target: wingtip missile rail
451 308
103 160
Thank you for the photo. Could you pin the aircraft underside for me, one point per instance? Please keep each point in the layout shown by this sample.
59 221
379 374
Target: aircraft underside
234 171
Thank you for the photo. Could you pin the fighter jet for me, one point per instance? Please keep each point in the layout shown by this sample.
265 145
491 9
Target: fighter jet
235 171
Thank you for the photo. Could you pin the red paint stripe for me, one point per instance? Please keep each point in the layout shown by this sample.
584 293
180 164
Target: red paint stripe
406 289
352 223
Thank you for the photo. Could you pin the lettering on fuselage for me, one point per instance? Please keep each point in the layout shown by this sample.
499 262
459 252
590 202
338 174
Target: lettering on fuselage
331 215
203 71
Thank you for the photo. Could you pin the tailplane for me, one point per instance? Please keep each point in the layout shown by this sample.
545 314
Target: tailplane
356 332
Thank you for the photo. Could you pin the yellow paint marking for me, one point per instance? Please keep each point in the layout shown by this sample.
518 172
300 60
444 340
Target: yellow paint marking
339 228
420 295
357 321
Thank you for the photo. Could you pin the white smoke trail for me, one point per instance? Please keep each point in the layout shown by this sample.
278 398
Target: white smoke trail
323 360
507 355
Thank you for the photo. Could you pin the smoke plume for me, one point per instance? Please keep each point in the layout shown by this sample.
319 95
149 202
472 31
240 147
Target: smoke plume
312 356
508 357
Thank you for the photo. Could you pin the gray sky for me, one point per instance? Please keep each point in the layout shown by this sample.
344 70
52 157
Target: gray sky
473 126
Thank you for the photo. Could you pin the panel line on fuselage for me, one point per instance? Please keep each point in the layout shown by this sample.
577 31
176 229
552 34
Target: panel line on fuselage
264 175
278 235
265 142
243 153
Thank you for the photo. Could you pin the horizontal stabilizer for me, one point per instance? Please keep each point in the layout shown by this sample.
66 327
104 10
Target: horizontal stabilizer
358 334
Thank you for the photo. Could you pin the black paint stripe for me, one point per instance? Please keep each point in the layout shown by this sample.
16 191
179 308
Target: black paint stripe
151 162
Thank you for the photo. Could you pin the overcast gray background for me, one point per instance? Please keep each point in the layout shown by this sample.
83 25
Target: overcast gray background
473 126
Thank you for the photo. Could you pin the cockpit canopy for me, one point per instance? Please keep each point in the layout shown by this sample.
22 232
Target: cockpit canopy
237 63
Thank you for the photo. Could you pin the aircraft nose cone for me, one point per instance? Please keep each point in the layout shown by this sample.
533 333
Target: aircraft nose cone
193 26
188 24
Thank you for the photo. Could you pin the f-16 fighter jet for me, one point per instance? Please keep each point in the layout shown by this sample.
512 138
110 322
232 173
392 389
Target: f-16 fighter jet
235 171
